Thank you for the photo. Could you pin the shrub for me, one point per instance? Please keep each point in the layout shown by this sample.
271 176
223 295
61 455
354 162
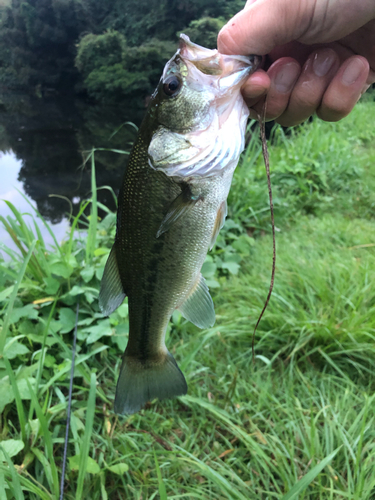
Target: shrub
204 31
111 70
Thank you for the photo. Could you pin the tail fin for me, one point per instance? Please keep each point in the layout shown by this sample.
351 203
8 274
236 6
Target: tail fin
141 381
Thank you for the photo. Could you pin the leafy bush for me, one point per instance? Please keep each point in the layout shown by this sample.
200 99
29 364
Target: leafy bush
111 70
97 51
204 31
37 41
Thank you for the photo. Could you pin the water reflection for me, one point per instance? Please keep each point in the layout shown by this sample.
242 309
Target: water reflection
49 139
11 190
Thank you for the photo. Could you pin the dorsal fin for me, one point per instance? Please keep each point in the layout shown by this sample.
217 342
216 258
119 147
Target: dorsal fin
112 292
198 306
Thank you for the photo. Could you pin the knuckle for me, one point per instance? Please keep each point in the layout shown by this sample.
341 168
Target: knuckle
289 121
224 40
335 108
306 99
329 115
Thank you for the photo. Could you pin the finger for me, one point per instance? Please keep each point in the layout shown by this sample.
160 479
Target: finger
261 27
371 78
307 95
300 53
283 75
363 42
265 24
256 85
345 89
248 3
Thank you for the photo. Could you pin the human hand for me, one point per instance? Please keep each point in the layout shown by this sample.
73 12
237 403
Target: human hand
320 55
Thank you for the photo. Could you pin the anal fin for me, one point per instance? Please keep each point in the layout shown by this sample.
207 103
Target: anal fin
112 292
219 222
198 306
181 206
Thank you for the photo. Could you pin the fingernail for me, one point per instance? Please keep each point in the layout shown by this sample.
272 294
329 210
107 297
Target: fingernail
286 77
352 71
323 61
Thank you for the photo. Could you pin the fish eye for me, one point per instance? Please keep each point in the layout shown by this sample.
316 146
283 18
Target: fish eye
172 85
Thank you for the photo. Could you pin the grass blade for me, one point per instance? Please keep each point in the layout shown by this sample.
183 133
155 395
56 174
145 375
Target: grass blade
91 237
22 235
85 448
46 465
162 490
28 485
43 348
20 408
74 224
309 477
15 485
217 479
2 485
47 440
45 223
69 409
4 331
80 359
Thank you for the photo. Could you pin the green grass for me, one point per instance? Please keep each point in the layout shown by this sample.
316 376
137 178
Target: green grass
299 423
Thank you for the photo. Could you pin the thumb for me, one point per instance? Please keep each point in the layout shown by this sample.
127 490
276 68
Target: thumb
266 24
263 25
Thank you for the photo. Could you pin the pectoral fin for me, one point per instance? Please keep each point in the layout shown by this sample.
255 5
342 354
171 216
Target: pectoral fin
112 292
198 306
219 222
179 207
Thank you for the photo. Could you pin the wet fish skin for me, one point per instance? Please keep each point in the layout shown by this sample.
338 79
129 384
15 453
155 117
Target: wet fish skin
167 220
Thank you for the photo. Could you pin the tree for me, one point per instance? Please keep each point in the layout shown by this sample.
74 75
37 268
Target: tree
204 31
37 43
111 70
39 38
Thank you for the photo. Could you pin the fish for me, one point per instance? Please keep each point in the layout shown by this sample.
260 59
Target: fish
171 207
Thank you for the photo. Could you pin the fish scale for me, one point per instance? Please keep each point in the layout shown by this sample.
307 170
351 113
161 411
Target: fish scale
166 223
157 263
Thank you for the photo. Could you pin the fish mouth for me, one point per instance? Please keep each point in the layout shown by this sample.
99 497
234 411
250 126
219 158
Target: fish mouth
215 142
231 71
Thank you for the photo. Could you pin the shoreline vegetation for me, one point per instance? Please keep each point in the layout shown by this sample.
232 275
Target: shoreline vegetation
297 424
108 52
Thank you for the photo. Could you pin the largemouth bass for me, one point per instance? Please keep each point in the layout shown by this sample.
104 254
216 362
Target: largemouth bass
172 205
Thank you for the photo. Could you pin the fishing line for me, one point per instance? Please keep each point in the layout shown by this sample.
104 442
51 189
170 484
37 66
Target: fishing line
62 482
262 124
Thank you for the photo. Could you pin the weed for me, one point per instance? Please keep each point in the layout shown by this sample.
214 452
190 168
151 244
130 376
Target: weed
300 424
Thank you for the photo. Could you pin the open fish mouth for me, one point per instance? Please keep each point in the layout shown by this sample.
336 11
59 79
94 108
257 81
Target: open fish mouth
231 70
213 113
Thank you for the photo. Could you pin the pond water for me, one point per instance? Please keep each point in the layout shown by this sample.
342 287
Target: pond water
11 189
43 145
